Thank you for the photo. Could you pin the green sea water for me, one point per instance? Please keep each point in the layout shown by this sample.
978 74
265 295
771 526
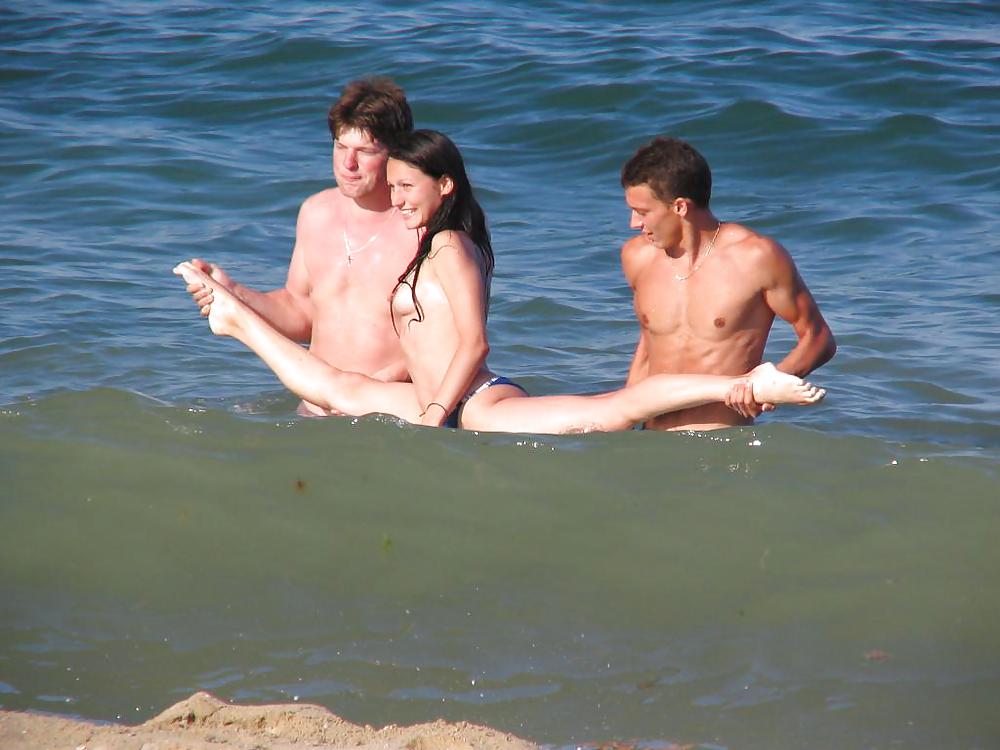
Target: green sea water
759 586
825 579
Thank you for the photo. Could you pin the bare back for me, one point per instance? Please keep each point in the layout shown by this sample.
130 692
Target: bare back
716 321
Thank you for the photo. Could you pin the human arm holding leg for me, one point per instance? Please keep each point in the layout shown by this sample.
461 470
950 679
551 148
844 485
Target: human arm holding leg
790 299
664 393
288 308
740 399
619 410
299 370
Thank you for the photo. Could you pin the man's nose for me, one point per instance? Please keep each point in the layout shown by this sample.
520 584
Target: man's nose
635 222
351 159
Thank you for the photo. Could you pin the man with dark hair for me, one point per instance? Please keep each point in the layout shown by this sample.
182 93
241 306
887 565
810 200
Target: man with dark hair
350 246
705 291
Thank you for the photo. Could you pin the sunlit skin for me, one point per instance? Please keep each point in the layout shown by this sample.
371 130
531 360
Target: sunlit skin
414 194
658 221
705 295
339 308
446 348
359 164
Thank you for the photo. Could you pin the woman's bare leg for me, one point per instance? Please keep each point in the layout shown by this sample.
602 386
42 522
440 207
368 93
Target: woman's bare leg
620 410
300 370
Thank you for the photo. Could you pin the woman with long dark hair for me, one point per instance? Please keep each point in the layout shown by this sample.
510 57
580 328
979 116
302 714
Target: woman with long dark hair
439 307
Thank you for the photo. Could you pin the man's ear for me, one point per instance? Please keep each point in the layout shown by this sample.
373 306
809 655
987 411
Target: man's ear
681 206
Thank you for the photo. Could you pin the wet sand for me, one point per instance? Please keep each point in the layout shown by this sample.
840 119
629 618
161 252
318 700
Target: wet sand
203 722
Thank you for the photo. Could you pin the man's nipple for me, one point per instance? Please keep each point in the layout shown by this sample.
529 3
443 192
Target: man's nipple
720 322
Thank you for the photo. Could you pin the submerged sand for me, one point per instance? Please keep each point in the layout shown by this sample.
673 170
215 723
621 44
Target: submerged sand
203 722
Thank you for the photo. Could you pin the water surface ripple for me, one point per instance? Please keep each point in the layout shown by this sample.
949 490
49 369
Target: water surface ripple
167 524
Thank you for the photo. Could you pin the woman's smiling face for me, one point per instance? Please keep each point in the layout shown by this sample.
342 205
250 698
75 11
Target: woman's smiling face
417 195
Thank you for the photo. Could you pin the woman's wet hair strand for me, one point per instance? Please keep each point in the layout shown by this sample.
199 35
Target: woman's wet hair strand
435 155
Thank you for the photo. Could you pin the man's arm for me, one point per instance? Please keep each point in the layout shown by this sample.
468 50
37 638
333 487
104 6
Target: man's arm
639 369
397 372
634 256
789 297
288 309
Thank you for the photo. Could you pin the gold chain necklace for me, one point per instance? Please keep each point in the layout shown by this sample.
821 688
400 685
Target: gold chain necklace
352 250
701 260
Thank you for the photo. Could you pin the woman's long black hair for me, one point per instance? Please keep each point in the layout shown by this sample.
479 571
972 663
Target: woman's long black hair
435 155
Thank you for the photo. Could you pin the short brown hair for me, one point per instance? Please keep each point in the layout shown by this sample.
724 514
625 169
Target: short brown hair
375 105
672 169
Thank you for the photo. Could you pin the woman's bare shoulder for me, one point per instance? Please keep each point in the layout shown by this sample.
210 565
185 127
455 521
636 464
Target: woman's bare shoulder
457 241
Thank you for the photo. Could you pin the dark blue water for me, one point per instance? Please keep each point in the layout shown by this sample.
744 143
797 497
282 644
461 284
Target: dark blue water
724 589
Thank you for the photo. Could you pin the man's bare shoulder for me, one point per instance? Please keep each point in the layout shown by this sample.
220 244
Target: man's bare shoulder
753 251
636 253
325 203
636 247
319 214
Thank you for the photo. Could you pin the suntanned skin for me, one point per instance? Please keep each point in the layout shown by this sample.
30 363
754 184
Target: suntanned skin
341 309
716 321
446 348
503 408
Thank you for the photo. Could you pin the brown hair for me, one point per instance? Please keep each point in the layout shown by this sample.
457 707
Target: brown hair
375 105
672 169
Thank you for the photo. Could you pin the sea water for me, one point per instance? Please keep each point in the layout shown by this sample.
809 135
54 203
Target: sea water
826 579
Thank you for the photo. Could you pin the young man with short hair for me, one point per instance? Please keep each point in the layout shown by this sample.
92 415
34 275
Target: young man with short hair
350 246
706 291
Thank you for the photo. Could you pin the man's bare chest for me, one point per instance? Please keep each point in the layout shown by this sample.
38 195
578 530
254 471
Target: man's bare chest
714 307
367 276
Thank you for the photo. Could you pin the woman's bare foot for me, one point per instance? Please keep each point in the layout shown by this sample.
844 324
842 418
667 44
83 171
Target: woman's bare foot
225 310
770 385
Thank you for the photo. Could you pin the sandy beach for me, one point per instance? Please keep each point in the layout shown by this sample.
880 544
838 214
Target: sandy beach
203 722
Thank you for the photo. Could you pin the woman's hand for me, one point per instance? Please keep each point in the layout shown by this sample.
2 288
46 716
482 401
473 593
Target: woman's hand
434 415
